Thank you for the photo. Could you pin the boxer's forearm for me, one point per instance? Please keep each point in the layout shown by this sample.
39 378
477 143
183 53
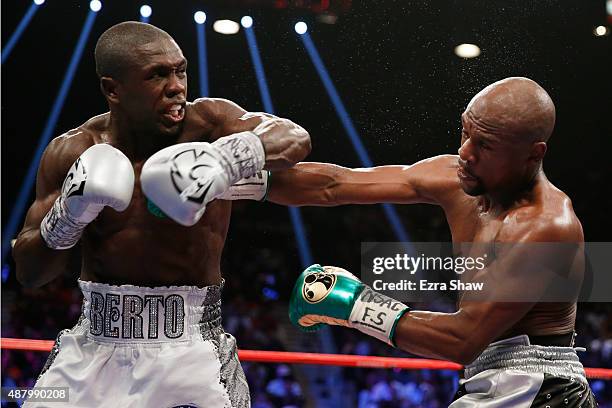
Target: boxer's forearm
459 336
447 336
304 184
36 263
325 184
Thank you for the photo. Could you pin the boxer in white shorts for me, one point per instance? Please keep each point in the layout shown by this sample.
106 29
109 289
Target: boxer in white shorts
147 347
144 189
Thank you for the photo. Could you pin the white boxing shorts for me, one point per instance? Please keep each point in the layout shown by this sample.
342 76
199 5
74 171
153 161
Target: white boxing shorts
513 373
161 347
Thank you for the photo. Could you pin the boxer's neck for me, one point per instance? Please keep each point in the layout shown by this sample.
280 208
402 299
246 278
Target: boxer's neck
514 197
136 144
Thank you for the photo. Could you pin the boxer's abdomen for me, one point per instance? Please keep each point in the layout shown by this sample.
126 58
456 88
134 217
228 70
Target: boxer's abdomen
546 319
139 248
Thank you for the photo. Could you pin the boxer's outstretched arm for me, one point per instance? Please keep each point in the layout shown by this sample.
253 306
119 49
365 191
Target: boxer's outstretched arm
36 263
285 142
322 184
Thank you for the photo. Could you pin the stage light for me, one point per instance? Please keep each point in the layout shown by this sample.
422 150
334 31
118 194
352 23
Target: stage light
23 24
226 27
199 17
600 31
301 27
246 21
146 11
467 50
95 5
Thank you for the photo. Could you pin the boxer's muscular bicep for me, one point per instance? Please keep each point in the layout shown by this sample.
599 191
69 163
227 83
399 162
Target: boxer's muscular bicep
519 276
285 142
325 184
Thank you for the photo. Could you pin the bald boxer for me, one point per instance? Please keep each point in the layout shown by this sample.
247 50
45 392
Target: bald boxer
518 354
137 189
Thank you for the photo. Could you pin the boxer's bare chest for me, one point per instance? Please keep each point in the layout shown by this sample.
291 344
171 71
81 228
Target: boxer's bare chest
141 246
469 222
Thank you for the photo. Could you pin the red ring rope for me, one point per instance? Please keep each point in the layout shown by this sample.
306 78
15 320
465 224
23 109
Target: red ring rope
345 360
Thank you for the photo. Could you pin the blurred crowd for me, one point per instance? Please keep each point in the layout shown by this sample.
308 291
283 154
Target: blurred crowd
260 265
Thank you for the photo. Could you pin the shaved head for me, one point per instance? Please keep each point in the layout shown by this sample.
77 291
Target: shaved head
503 140
517 106
115 47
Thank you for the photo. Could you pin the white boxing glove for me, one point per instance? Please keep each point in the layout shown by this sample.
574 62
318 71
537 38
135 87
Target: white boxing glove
101 176
182 179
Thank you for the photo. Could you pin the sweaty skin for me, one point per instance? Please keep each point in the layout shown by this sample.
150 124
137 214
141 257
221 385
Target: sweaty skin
494 191
135 246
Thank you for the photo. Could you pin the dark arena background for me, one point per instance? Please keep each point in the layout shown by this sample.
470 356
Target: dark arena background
374 83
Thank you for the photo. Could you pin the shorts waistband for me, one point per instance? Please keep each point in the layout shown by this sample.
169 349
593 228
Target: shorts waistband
135 314
559 340
518 354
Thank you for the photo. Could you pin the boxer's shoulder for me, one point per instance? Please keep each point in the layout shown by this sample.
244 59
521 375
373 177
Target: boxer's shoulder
96 127
75 141
207 119
70 145
552 220
447 165
215 110
63 150
202 117
437 178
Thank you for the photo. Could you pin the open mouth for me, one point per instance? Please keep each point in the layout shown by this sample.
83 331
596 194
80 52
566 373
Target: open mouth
174 113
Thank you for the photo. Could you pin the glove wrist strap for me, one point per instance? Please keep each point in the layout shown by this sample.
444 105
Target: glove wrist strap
250 188
376 315
242 155
59 229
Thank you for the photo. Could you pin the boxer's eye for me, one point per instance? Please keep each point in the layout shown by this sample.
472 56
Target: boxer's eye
310 279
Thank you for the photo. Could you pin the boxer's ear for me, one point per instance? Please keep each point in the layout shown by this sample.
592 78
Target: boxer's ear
538 150
108 86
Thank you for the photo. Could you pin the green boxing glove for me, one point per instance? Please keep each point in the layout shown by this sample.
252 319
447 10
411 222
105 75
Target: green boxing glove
331 295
